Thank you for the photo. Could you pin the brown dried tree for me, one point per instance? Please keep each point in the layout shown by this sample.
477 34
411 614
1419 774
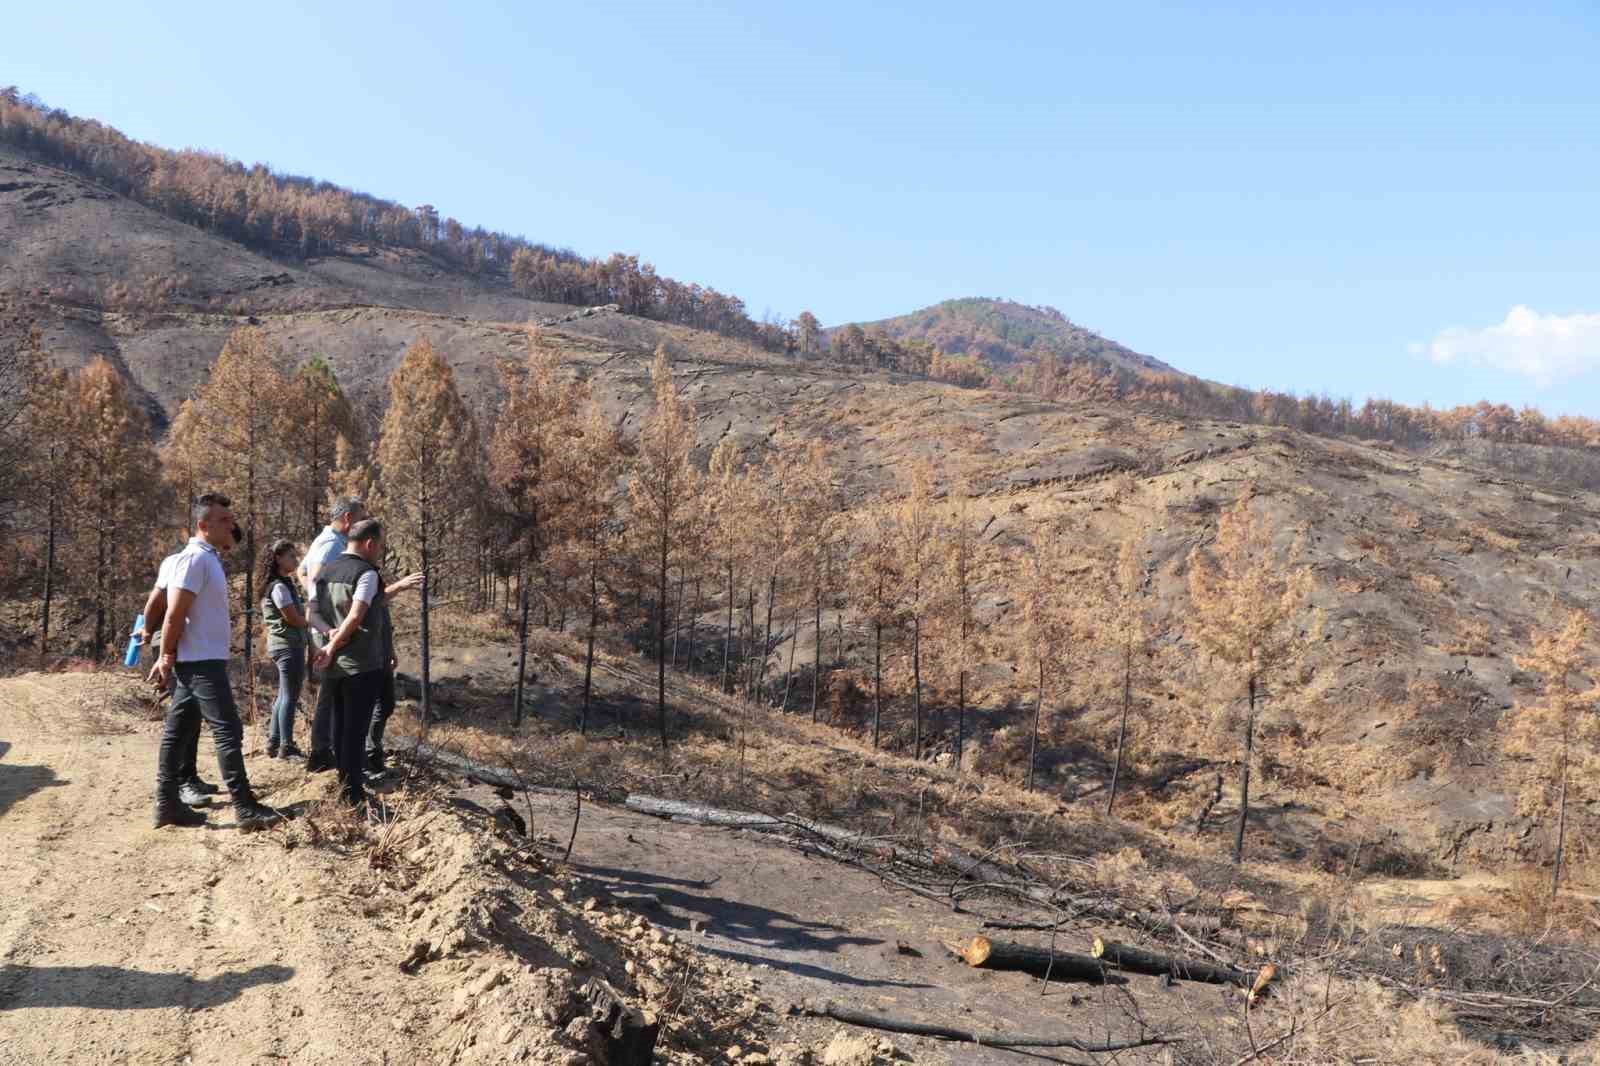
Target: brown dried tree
1560 727
430 478
1246 595
532 468
662 492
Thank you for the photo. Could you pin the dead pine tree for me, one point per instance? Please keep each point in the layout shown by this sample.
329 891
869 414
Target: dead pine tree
1046 618
594 519
324 415
724 504
820 535
46 445
1125 630
431 476
112 484
661 493
913 542
959 541
1563 718
234 438
876 585
1246 596
530 466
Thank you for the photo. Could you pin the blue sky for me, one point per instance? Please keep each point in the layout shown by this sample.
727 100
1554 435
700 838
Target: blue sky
1385 201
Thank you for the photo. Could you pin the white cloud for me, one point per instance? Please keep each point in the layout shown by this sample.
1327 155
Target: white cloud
1542 347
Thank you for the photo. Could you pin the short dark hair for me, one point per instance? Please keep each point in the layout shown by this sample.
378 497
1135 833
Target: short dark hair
365 530
204 503
346 505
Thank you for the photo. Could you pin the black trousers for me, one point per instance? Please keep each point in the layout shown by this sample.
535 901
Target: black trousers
353 701
380 714
201 690
190 769
322 717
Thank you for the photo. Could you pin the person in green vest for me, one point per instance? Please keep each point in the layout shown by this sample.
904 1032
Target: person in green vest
350 598
283 615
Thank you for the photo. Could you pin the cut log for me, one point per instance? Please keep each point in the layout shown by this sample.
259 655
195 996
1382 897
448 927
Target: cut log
888 1024
985 954
1138 960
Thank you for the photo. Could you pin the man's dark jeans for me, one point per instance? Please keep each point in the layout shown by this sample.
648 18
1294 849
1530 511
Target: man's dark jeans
201 690
353 700
291 665
380 714
190 769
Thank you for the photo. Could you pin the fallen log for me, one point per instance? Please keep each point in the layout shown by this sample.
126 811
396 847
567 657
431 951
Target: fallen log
985 954
701 815
1138 960
964 866
1201 924
888 1024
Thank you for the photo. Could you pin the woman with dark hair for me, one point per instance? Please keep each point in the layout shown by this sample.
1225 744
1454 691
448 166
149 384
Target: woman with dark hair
283 614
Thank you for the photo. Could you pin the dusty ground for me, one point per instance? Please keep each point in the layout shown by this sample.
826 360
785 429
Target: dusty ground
120 943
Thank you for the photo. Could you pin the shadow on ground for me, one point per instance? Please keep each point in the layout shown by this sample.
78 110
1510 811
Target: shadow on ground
776 936
17 783
116 988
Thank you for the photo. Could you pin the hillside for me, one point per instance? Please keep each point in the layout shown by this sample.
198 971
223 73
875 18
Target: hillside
1422 563
1007 333
1384 795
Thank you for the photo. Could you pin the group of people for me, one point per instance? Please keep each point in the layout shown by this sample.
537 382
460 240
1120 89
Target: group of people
341 624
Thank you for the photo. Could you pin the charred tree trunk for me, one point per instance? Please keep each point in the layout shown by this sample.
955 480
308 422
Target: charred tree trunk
916 687
1561 824
661 639
816 667
50 563
522 652
877 683
788 674
425 650
1122 728
766 636
1033 745
727 634
961 713
1244 776
588 658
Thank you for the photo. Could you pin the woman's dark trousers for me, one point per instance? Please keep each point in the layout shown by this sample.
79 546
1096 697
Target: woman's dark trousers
291 675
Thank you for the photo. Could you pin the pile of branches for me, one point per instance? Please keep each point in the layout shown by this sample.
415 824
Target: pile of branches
1492 983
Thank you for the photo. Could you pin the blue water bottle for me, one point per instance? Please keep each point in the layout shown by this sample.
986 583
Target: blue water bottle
132 657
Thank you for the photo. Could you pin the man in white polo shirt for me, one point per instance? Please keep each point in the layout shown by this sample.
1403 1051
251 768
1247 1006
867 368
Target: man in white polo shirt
195 647
192 789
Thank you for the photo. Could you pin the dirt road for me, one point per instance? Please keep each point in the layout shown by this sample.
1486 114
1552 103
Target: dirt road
124 944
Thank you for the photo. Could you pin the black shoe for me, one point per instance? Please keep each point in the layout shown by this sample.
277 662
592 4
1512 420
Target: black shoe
318 761
190 796
171 813
252 816
203 787
272 751
291 752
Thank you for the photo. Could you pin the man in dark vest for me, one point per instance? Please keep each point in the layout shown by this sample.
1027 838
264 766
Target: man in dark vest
351 600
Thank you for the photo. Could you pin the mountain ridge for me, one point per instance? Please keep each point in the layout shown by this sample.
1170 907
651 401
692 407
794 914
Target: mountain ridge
1007 334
